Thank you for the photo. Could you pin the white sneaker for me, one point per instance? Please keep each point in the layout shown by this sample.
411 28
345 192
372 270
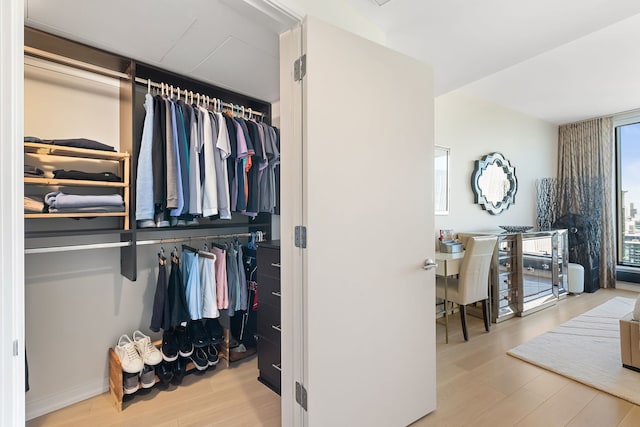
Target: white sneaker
129 357
149 353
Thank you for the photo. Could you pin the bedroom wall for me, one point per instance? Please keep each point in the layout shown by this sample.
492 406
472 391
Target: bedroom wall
472 128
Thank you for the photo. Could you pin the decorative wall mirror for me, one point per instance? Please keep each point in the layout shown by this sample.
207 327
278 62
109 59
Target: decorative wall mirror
494 183
441 181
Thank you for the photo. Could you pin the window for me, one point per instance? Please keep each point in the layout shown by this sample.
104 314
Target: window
627 134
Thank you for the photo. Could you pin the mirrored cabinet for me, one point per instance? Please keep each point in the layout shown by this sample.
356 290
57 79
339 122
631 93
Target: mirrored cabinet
528 271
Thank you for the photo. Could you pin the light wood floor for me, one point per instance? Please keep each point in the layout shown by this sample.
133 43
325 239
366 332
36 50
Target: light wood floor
477 385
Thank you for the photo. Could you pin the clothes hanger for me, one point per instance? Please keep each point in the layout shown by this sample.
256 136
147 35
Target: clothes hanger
217 245
178 94
149 86
190 249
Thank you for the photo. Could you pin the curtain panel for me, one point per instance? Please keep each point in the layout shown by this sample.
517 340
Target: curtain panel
585 156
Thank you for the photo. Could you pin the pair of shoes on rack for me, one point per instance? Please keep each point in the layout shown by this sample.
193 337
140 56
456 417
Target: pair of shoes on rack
146 223
165 372
179 368
172 372
135 353
170 347
176 222
214 330
146 378
182 341
185 341
161 222
204 357
199 335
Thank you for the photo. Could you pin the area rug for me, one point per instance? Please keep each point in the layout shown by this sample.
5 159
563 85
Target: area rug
587 349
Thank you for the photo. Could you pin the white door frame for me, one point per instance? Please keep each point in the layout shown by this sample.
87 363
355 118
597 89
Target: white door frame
12 386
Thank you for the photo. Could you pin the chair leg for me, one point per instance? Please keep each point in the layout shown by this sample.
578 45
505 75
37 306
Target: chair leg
463 320
485 315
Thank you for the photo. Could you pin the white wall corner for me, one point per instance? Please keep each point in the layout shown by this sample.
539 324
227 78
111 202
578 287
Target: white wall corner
12 386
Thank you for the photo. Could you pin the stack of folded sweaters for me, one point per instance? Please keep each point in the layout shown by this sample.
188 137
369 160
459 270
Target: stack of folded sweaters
59 202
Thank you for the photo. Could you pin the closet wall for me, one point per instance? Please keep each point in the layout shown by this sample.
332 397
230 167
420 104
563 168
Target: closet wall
78 303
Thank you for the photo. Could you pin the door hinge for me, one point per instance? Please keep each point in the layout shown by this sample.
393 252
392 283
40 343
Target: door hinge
301 395
301 236
16 348
300 68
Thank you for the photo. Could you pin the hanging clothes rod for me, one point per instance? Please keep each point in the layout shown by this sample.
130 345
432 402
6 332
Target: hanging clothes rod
186 239
185 92
70 248
37 53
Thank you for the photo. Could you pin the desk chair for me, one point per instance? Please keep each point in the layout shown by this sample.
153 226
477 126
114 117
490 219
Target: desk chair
472 283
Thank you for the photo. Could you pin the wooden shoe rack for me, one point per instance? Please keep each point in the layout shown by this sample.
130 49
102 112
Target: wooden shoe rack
115 367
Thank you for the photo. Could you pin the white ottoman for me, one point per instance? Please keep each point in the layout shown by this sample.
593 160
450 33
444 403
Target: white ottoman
576 278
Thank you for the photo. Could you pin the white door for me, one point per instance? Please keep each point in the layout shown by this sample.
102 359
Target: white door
366 323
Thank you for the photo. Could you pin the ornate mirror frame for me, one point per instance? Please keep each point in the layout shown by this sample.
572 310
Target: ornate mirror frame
496 170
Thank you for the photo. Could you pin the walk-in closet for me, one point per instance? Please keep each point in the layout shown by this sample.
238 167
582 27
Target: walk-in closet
93 272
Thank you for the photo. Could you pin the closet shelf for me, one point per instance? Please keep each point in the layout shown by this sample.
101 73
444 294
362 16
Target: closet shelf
76 233
76 215
85 153
117 162
73 182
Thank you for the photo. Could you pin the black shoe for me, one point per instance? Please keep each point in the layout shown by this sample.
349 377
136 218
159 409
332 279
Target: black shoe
214 330
212 355
199 359
179 369
147 376
164 371
185 341
169 347
198 334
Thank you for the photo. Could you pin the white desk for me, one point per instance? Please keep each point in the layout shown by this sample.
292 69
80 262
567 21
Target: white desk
448 265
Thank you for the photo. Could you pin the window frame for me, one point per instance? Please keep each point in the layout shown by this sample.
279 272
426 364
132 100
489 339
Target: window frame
624 270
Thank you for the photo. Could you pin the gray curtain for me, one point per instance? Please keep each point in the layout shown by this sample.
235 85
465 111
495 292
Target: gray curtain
585 152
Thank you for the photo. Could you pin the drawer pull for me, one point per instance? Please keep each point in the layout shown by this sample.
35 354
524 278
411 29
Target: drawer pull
275 264
277 367
277 328
275 294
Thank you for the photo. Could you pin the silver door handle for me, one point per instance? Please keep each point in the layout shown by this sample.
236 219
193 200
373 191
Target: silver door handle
429 264
277 366
275 264
275 294
277 328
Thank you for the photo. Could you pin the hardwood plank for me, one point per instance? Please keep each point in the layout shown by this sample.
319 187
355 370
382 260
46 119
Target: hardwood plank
603 411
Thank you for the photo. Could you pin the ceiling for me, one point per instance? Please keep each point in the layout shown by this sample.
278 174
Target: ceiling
560 61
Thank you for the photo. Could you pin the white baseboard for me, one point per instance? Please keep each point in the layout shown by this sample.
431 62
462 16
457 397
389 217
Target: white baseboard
627 286
43 405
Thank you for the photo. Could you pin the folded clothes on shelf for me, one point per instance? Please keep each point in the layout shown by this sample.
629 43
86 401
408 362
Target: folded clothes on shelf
60 200
89 176
32 205
72 142
30 170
